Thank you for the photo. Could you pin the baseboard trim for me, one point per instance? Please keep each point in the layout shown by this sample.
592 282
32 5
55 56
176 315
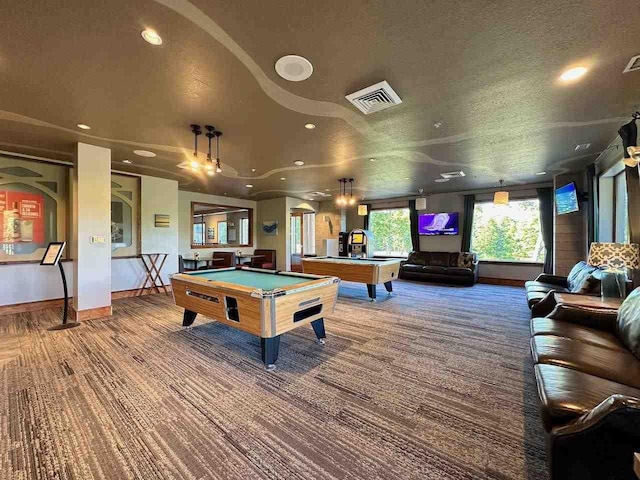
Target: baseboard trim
58 302
91 313
501 281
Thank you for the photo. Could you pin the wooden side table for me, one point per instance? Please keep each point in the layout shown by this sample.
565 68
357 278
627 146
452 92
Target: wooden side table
153 263
587 301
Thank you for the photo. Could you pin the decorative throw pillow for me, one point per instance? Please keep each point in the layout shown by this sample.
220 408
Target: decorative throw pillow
466 259
578 274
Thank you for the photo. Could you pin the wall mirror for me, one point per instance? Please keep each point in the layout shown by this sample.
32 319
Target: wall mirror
219 226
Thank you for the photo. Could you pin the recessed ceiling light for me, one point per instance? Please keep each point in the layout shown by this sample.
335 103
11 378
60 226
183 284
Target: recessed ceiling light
407 178
441 180
283 178
144 153
372 159
573 74
541 173
298 163
437 124
127 161
327 189
253 169
294 68
83 126
151 36
248 185
309 126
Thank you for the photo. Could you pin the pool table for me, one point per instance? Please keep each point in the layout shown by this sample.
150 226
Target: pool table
264 303
371 271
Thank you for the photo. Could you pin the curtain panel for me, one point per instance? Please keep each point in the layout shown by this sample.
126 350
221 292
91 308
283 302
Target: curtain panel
467 221
545 195
413 220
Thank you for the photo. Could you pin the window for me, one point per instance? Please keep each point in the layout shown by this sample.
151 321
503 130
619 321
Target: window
198 233
244 231
391 231
509 233
620 209
222 232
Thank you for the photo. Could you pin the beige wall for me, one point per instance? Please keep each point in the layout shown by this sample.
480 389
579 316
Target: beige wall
328 229
268 210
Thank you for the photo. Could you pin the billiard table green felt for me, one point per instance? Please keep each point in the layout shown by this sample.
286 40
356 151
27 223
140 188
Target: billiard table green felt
257 280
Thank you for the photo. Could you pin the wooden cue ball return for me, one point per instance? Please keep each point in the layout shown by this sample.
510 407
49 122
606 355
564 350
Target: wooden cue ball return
264 303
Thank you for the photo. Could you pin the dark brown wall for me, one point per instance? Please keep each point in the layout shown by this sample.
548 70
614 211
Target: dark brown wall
570 243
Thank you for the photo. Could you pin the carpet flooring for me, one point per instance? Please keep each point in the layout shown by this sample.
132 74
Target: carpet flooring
434 382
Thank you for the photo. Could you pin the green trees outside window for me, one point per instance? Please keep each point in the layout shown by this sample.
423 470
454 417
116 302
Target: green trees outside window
391 231
508 232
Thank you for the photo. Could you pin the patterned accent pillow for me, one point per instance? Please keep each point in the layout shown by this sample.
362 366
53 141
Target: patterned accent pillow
466 259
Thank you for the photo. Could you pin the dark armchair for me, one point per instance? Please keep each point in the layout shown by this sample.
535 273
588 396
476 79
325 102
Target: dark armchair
266 260
228 259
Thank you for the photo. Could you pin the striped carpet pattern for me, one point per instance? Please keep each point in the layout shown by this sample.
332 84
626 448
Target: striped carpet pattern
434 382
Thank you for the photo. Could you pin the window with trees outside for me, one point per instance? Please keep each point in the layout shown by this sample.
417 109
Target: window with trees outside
509 233
391 231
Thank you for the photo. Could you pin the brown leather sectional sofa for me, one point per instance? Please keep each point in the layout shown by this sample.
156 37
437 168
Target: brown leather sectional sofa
446 267
583 278
587 368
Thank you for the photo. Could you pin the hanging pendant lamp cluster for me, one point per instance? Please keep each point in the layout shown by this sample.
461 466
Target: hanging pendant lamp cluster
208 165
343 199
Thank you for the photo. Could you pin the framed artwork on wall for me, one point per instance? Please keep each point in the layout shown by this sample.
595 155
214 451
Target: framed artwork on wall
211 233
270 228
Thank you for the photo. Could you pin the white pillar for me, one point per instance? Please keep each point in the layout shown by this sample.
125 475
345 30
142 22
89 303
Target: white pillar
92 232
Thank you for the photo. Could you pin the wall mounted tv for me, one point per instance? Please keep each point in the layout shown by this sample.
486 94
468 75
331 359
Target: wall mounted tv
438 223
567 199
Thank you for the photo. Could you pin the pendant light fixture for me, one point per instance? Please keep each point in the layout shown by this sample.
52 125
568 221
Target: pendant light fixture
195 162
501 197
352 201
363 210
218 164
629 135
210 134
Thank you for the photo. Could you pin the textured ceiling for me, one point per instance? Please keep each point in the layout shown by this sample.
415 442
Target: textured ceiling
487 70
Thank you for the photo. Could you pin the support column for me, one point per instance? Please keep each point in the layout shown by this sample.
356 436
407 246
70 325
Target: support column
92 232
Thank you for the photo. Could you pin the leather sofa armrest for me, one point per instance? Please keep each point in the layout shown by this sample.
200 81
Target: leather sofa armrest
599 444
552 279
598 318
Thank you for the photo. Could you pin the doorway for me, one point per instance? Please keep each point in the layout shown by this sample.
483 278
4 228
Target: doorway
302 237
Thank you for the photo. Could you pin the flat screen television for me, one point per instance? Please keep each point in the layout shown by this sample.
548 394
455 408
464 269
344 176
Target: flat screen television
567 199
438 223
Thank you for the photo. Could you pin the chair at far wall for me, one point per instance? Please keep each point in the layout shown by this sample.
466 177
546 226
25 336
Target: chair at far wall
180 264
228 259
266 260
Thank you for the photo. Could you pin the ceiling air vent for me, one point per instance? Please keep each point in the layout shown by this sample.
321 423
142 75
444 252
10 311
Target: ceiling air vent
450 175
374 98
634 65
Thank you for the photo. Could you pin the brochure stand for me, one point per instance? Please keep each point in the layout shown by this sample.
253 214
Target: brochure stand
52 258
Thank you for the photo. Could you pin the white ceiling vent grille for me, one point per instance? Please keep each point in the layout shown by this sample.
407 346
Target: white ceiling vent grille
450 175
634 65
374 98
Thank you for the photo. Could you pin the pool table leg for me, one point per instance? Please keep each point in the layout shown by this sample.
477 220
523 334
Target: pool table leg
371 289
318 328
270 348
188 318
389 287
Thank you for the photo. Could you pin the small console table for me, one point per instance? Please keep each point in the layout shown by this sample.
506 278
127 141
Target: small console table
153 263
588 301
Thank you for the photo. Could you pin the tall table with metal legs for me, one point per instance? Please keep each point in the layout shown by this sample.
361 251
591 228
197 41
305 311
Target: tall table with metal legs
153 263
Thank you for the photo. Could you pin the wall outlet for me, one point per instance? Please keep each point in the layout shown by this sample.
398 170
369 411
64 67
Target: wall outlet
98 239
